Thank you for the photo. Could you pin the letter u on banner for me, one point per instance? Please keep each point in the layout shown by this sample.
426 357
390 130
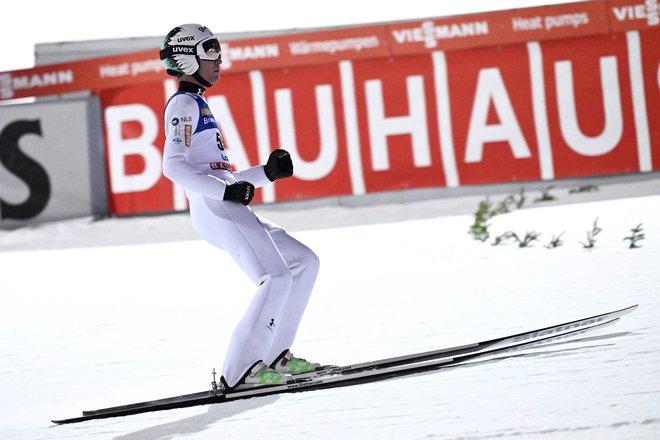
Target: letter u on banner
609 138
325 162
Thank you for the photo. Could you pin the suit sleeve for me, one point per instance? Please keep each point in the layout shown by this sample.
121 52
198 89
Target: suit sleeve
175 156
255 175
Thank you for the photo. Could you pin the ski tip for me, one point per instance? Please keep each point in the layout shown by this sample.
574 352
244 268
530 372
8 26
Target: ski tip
632 308
625 310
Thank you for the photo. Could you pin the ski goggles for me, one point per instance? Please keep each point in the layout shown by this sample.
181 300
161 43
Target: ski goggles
209 49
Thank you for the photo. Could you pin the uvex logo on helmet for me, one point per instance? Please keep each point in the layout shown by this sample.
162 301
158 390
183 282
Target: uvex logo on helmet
184 49
188 38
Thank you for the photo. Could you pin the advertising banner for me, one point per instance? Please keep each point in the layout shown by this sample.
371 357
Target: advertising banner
540 110
410 37
540 93
47 156
500 28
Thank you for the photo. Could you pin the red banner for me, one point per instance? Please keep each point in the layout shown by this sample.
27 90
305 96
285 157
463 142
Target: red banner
499 28
492 115
573 20
646 87
541 110
592 102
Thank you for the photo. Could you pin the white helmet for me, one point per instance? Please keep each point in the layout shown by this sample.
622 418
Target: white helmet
185 45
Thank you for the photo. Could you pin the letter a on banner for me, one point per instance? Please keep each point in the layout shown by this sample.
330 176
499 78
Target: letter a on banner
490 88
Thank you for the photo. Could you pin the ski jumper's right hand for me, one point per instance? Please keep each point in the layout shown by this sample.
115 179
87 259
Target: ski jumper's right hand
239 192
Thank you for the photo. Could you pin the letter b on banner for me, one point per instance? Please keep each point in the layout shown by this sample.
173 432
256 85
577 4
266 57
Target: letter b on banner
119 148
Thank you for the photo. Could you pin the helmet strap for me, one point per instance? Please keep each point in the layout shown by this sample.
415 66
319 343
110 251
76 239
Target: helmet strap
197 76
201 80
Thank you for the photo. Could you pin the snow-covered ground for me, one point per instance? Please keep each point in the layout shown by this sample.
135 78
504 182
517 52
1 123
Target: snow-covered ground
96 314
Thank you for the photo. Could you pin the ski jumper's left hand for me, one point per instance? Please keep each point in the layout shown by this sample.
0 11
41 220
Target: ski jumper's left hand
279 165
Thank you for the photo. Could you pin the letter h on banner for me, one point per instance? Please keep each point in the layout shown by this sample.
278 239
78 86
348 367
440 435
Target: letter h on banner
414 124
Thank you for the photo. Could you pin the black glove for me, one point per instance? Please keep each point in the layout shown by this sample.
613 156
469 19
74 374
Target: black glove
239 192
279 165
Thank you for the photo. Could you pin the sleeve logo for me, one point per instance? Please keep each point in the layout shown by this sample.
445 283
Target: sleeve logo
188 134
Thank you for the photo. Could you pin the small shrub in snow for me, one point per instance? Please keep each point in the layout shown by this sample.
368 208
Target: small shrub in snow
637 234
591 235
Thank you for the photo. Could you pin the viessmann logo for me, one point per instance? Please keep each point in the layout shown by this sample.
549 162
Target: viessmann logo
649 10
10 84
430 33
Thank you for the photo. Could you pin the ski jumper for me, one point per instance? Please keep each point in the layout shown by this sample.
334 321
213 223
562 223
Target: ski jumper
283 269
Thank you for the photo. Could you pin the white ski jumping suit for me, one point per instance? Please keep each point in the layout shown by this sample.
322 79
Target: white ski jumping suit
283 268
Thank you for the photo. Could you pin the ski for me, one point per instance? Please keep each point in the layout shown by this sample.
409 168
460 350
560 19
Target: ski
473 348
384 369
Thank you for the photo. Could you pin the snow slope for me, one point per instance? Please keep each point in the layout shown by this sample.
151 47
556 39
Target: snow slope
92 315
